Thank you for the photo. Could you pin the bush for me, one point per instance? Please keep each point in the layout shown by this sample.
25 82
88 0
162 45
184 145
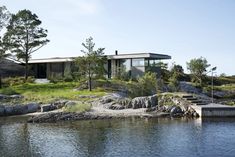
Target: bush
79 107
8 91
12 81
147 84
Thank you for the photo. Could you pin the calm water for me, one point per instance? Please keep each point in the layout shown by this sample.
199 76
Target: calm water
130 137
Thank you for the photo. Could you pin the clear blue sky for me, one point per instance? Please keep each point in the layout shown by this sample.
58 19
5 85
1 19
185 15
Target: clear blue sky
184 29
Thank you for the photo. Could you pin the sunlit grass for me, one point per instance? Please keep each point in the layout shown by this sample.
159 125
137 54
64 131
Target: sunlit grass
79 107
49 92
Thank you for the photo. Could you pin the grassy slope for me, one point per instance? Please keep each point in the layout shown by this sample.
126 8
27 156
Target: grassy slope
49 92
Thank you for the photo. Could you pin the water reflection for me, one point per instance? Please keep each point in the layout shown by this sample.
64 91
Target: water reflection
126 137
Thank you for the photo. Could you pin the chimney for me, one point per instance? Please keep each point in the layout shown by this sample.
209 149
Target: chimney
116 52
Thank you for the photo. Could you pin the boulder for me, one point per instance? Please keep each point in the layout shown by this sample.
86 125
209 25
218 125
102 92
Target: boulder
144 102
16 97
176 111
70 103
19 109
117 107
60 104
3 97
8 110
32 107
2 110
47 107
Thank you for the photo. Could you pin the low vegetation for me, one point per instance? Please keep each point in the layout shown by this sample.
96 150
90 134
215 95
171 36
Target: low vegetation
79 107
49 92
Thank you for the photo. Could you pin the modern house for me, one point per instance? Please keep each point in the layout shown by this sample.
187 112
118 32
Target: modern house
134 64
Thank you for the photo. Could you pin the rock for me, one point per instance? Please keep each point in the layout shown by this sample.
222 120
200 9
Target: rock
47 107
189 88
3 97
176 111
144 102
2 110
125 102
16 97
108 105
117 107
70 103
60 104
32 107
8 110
19 109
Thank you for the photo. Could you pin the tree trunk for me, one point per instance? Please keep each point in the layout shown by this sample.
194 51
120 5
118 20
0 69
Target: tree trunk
89 83
26 68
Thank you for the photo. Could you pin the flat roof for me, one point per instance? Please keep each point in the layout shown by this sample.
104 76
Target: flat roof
119 56
51 60
139 55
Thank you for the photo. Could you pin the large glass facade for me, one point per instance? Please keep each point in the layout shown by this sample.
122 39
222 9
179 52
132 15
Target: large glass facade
138 62
152 62
126 64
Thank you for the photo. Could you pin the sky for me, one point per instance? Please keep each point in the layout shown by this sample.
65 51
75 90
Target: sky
184 29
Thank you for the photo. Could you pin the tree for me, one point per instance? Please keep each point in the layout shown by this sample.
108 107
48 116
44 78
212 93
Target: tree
4 16
176 72
92 63
24 36
147 84
197 68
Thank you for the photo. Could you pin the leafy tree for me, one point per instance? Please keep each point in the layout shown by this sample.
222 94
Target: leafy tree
24 36
197 68
148 84
92 63
176 73
164 72
4 17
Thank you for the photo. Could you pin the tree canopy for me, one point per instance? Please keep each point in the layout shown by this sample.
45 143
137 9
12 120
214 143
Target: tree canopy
92 63
197 68
24 36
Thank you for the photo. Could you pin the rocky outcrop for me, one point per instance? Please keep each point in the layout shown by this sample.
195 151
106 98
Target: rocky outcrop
176 106
144 102
10 97
118 102
18 109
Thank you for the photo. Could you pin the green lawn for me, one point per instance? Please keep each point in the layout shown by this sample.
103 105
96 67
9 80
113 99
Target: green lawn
49 92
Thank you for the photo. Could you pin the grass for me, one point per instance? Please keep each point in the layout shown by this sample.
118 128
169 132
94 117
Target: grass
226 87
46 93
79 107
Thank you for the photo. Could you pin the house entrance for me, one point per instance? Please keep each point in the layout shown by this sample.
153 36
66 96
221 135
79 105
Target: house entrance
42 70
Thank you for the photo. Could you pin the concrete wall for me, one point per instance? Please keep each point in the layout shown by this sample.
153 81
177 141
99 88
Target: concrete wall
216 111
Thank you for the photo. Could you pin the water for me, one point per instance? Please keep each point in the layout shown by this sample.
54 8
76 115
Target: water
110 138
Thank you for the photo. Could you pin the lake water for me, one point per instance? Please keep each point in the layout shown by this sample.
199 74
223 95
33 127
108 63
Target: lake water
125 137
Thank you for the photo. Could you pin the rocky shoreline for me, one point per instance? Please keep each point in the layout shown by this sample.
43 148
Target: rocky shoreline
113 105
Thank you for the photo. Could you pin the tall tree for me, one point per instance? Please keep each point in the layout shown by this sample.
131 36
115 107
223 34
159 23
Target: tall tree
92 63
4 17
197 68
24 36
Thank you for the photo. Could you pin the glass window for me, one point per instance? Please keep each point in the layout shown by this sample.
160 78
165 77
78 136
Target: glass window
138 62
126 63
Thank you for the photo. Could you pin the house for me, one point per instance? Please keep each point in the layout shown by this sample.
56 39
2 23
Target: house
134 64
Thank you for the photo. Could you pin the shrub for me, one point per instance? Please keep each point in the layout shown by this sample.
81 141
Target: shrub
12 81
147 84
79 107
8 91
